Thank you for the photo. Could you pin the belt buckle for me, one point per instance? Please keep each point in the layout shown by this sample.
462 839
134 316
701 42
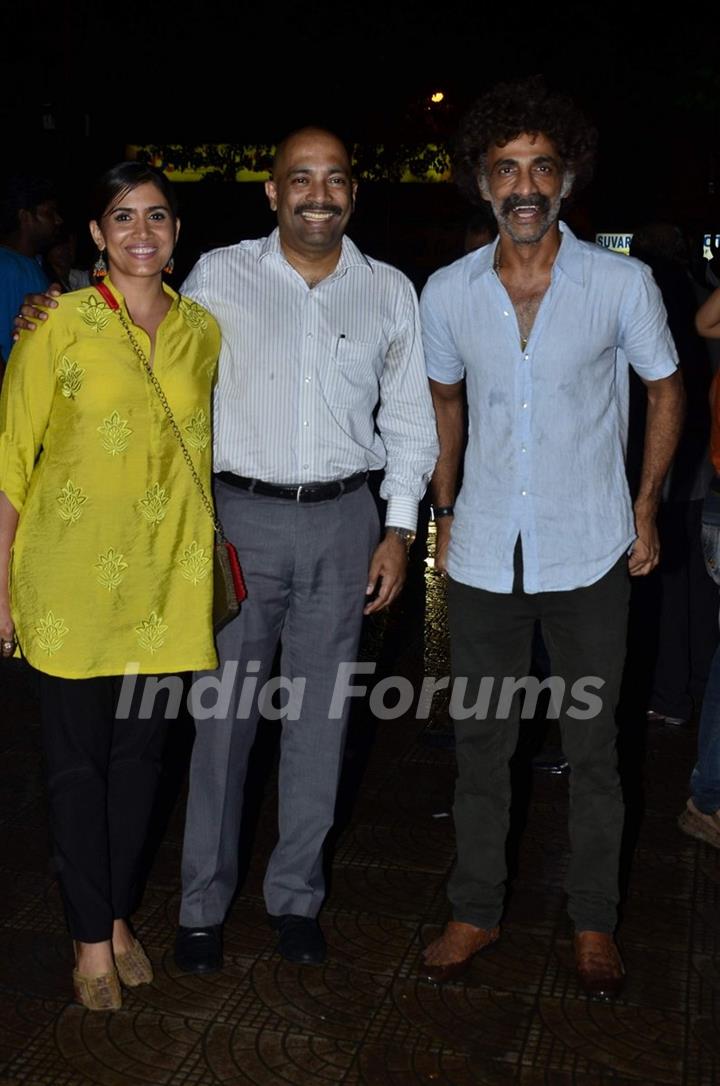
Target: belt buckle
299 491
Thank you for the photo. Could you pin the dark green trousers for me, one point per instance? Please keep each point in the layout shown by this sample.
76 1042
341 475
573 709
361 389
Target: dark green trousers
491 638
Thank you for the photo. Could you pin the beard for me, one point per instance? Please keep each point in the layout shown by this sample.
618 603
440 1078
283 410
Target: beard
522 235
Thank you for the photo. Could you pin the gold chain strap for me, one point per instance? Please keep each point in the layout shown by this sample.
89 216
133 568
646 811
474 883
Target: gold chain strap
175 428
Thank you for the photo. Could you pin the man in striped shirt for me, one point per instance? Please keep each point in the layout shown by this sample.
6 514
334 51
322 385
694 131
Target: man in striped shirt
316 336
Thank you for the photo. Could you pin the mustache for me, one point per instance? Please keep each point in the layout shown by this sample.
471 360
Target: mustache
542 203
330 209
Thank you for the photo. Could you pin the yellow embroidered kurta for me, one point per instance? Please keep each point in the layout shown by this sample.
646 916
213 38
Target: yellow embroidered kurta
111 568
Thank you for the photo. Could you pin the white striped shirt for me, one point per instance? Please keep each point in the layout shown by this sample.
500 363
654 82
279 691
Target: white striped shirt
302 371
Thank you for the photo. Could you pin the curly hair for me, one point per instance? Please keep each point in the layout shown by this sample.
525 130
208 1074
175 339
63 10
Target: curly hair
510 109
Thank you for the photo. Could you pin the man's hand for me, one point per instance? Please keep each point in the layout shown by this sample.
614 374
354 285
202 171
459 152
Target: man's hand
645 553
388 567
665 415
34 308
443 527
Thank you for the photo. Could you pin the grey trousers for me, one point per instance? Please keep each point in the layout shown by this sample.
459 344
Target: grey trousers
306 566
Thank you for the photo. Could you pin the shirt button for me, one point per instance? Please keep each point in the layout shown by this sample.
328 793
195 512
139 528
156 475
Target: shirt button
308 380
523 449
309 335
525 405
527 357
505 313
524 493
306 466
306 423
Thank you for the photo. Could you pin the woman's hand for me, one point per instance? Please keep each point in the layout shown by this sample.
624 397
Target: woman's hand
7 630
8 527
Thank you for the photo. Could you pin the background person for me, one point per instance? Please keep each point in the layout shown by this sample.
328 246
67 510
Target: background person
29 221
481 229
111 552
701 817
60 261
675 598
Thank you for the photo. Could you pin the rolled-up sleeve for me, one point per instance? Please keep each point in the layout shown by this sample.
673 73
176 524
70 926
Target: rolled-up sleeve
645 337
442 359
25 403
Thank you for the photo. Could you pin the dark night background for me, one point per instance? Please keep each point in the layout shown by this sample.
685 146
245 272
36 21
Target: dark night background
108 75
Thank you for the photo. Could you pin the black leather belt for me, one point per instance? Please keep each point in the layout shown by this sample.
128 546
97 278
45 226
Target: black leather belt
303 492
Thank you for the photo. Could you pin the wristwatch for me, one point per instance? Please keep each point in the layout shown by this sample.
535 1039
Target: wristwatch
406 534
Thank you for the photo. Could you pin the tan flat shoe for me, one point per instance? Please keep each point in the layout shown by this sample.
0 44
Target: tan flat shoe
98 993
134 966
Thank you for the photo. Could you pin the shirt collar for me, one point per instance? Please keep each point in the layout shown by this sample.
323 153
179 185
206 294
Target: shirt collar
350 255
569 258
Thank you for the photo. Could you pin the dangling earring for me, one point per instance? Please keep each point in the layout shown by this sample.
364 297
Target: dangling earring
168 269
100 268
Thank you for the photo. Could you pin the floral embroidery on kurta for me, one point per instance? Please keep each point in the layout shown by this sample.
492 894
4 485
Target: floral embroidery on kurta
51 633
198 430
193 314
150 632
154 503
69 376
115 433
111 567
70 501
95 313
195 562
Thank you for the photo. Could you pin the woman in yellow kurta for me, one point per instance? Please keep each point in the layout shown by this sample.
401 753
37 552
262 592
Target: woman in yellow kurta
106 553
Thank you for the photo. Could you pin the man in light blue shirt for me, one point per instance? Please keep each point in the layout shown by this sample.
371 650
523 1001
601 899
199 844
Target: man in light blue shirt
539 330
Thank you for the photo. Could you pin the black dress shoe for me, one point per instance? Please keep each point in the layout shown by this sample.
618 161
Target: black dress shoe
199 950
299 938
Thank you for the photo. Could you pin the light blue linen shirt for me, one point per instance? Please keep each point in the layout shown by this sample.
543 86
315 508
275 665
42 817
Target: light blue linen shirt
547 425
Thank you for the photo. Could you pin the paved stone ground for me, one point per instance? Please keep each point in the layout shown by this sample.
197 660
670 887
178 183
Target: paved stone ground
363 1019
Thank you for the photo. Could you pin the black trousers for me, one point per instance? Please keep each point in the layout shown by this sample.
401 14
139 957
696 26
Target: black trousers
102 776
491 637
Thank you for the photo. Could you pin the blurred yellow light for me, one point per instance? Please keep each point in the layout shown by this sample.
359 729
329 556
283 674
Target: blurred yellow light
437 96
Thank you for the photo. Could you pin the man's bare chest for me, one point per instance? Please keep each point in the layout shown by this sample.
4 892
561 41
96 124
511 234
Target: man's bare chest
526 299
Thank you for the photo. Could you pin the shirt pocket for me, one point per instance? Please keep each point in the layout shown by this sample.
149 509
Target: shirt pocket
350 375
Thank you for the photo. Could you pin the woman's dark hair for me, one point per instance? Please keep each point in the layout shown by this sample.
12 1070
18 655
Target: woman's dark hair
510 109
122 179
